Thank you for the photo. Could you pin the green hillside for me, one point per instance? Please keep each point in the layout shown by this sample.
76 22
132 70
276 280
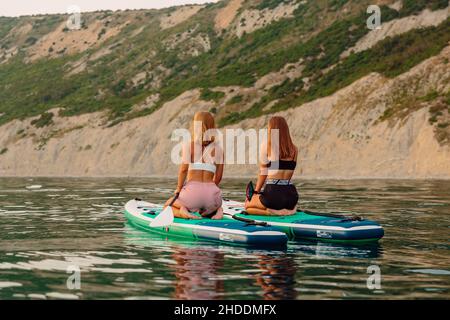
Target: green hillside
172 60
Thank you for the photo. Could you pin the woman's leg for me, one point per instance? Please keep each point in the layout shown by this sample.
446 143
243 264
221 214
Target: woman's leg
257 212
213 198
176 212
282 212
218 215
179 210
254 206
185 214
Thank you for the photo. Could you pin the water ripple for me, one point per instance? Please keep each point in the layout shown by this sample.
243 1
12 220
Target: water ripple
49 225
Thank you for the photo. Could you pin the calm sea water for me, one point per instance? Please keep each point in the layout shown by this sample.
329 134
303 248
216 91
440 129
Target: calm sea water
51 225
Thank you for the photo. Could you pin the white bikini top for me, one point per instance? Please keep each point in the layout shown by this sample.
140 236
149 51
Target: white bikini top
203 167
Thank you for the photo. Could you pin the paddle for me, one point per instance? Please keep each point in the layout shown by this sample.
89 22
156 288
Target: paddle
165 218
332 215
249 191
248 221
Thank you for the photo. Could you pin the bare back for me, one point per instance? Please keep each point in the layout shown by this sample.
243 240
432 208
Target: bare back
208 154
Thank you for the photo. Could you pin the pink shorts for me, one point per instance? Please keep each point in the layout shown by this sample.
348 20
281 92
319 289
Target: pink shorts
196 196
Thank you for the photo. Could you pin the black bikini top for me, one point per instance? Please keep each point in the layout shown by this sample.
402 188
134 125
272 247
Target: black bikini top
282 165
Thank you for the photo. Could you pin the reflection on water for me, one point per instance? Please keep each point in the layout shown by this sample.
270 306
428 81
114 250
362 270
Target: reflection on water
200 268
197 273
50 224
329 250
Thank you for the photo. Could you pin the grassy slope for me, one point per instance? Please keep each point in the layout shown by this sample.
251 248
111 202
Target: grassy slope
31 89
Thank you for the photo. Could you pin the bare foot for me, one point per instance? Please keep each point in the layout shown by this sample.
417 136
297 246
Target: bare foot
185 214
218 215
282 212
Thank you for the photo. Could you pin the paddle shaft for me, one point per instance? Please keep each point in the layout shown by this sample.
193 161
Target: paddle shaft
332 215
249 221
174 199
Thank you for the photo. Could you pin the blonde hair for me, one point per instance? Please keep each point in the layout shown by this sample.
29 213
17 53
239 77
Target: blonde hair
207 123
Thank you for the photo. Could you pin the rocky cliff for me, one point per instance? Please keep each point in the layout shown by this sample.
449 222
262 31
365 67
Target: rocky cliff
363 104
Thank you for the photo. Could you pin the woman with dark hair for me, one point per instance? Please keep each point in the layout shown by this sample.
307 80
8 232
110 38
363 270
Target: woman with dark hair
278 160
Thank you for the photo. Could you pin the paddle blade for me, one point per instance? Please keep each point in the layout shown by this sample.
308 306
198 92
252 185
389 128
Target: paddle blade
165 218
250 191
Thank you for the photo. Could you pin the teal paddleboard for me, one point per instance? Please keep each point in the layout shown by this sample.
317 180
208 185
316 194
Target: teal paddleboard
313 226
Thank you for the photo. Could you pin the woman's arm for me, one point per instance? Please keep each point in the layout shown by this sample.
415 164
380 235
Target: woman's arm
219 174
260 182
182 174
184 167
217 153
263 170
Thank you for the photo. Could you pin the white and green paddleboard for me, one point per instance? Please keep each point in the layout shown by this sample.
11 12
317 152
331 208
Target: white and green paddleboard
140 214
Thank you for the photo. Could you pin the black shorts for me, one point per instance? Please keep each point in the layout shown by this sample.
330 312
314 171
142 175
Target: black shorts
279 197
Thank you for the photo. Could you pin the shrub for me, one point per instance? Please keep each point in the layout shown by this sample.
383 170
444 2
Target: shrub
208 95
430 96
45 119
269 4
30 41
236 99
415 6
119 87
231 118
102 32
